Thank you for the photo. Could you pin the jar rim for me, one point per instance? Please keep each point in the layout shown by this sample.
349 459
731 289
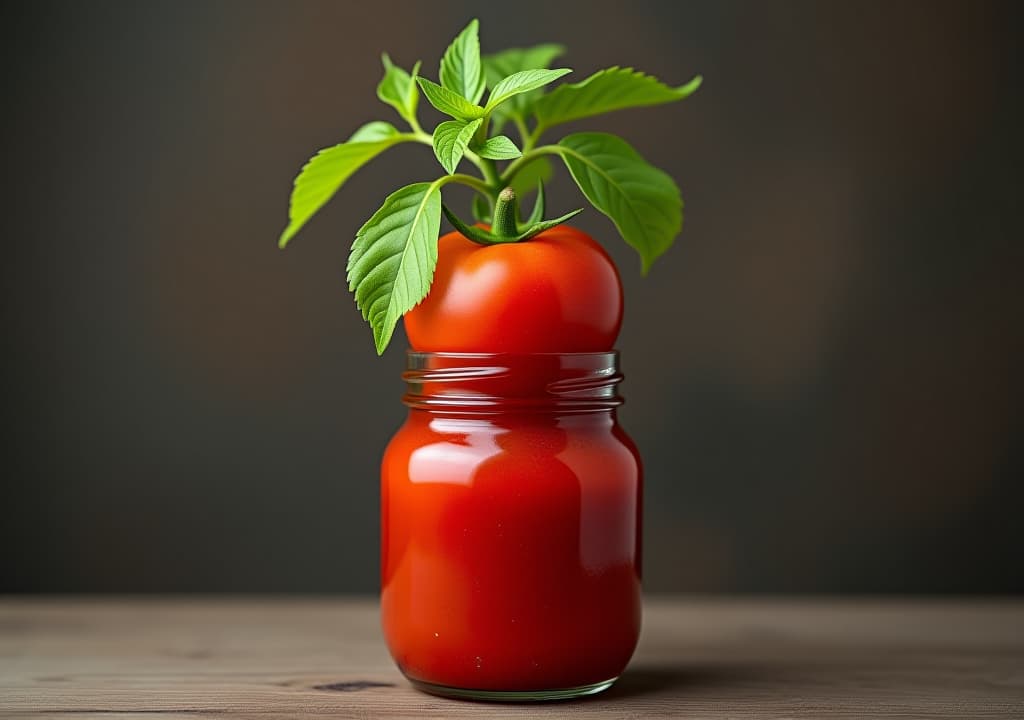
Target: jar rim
512 382
610 354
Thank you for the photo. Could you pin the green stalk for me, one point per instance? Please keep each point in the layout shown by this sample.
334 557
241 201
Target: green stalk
534 137
491 174
527 157
524 133
506 215
474 182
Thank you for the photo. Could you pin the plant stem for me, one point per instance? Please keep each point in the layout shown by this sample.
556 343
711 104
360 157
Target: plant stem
478 161
530 141
420 137
491 174
524 133
415 125
481 132
519 163
474 182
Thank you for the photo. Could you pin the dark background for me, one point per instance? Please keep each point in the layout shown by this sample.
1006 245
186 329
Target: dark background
824 375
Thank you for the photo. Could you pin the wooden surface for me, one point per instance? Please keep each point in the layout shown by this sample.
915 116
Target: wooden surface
280 658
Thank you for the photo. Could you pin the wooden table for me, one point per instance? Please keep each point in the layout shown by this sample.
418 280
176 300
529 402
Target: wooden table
698 658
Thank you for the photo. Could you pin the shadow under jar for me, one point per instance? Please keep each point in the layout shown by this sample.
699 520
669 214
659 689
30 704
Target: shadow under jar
511 509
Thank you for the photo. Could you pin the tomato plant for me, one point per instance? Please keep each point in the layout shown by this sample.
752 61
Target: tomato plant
523 299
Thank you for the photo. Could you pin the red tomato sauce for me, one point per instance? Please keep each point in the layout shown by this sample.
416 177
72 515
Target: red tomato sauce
511 526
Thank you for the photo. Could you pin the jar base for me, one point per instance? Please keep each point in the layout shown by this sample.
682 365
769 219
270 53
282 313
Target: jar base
513 696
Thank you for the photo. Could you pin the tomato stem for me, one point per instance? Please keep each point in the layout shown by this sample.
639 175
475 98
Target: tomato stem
506 214
471 232
482 236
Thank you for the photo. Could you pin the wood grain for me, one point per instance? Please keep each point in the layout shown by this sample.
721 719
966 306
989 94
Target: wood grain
286 658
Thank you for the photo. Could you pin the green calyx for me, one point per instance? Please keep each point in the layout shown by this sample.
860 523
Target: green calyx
391 265
506 227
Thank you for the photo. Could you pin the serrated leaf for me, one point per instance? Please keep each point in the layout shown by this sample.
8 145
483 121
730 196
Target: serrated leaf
508 62
499 147
522 82
374 132
538 170
642 201
461 70
451 139
605 91
392 261
500 65
323 175
398 89
449 102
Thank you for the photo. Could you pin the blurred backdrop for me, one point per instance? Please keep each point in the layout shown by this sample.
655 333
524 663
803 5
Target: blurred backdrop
824 375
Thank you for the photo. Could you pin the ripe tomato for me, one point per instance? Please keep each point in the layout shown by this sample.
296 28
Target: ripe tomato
556 292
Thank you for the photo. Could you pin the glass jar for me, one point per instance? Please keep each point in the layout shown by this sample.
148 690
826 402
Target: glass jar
511 509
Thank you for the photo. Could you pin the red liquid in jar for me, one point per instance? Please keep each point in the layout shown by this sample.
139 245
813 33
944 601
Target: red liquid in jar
511 539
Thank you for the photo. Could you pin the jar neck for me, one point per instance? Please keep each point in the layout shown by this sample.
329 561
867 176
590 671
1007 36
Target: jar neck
491 383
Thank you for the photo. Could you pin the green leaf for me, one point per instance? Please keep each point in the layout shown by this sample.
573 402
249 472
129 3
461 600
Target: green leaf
324 174
393 257
508 62
604 91
451 139
499 147
374 131
398 90
500 65
449 102
538 170
522 82
461 71
641 200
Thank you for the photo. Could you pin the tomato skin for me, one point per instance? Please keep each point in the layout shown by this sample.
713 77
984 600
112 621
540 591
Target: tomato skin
557 292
